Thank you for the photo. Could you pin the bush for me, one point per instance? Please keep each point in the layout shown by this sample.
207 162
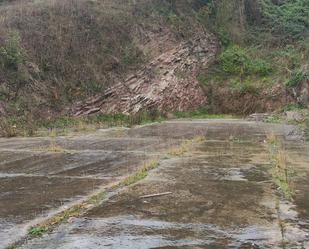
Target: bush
224 38
236 60
296 78
260 67
12 54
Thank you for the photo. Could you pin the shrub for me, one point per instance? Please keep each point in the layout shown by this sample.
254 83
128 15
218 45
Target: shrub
12 54
260 67
224 37
236 60
297 77
130 55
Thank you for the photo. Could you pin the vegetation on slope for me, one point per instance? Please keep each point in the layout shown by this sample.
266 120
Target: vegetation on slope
263 59
53 53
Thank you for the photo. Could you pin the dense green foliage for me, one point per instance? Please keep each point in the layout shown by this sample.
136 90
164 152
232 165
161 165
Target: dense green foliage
289 18
236 60
264 46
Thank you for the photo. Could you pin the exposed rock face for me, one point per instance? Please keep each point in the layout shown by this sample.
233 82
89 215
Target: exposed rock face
167 83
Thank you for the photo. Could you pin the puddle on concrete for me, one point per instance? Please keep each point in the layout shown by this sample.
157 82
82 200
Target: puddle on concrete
137 233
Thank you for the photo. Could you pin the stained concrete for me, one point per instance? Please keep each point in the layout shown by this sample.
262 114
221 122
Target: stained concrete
222 193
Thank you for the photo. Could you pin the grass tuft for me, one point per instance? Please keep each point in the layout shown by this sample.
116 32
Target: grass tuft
37 231
279 171
141 173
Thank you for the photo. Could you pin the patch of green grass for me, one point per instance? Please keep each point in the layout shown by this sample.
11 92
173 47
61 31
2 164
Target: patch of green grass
281 184
273 119
140 174
37 231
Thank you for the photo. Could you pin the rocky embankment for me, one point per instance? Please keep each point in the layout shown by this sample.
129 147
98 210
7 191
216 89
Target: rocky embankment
168 82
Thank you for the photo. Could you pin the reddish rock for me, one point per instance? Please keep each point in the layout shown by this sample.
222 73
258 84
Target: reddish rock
167 83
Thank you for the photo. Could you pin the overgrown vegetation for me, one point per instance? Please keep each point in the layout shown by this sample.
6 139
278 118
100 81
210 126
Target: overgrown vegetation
236 60
53 53
288 19
263 56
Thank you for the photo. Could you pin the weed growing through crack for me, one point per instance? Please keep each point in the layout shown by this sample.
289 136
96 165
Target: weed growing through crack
279 171
37 231
185 146
44 227
53 147
181 149
96 198
141 173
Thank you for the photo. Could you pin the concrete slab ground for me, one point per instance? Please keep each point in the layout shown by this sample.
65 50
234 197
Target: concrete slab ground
222 192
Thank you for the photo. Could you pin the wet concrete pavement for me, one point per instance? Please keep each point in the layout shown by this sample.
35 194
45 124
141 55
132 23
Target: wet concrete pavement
40 175
222 194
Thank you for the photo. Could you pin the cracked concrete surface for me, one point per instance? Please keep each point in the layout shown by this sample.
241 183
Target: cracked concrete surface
222 194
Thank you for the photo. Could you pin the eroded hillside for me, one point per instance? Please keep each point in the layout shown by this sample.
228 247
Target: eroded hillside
56 52
79 57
